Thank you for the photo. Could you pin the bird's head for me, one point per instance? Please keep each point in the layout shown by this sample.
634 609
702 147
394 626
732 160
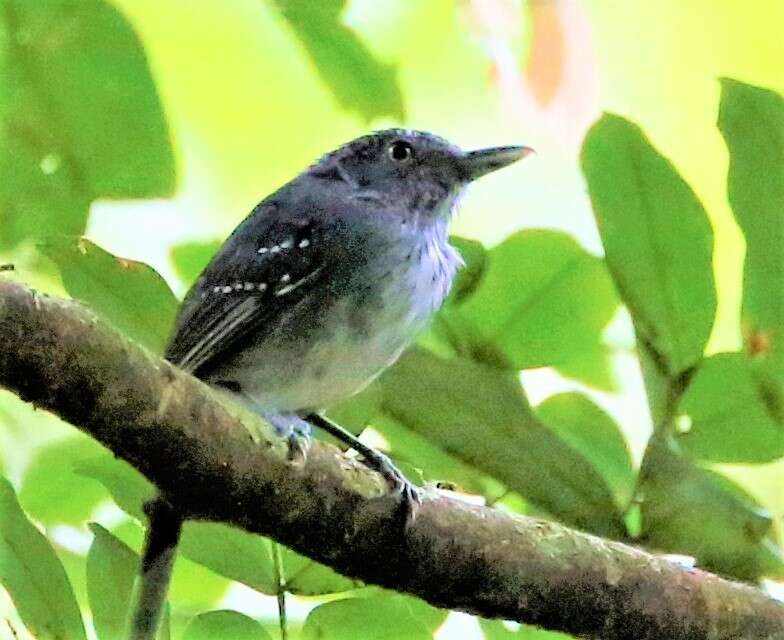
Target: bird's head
415 171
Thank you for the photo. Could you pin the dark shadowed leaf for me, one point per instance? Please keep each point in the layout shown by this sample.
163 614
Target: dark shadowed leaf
696 512
542 299
469 275
656 237
111 571
129 295
80 118
224 625
190 259
588 429
752 122
482 418
52 491
33 576
725 416
358 80
377 617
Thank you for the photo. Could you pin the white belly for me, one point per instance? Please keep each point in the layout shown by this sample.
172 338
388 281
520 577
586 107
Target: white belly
327 371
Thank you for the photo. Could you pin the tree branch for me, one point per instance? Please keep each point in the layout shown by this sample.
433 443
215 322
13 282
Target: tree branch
198 449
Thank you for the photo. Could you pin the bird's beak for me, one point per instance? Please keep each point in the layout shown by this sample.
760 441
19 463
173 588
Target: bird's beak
477 163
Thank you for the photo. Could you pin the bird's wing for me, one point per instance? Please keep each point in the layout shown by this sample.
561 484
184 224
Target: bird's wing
246 286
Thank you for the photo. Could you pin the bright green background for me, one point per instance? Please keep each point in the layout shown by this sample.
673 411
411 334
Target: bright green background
251 96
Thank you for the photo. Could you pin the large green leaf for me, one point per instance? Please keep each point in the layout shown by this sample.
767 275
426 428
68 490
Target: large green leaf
478 414
129 488
358 81
377 617
51 489
306 577
130 295
588 429
33 576
657 240
689 510
725 414
541 300
224 625
111 571
752 122
80 118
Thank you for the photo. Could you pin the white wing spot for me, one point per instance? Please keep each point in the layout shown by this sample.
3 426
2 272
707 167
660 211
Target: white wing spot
216 289
263 250
287 244
262 286
286 277
303 243
249 286
226 289
284 290
275 249
238 286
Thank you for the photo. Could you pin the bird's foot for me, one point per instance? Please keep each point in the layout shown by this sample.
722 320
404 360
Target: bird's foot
295 431
399 485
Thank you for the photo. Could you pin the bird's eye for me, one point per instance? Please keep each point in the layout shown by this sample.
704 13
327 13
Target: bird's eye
401 151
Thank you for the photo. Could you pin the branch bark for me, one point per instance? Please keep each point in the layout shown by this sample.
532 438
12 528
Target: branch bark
220 463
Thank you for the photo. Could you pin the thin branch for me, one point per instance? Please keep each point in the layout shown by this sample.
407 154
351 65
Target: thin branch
200 452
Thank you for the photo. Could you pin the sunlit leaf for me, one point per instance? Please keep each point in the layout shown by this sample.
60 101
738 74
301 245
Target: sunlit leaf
130 295
224 625
657 240
52 491
479 414
33 576
370 618
111 571
357 79
80 118
588 429
724 414
497 630
692 511
542 299
752 122
129 488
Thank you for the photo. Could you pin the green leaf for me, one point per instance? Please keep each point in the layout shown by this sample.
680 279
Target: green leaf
479 414
52 491
33 576
129 488
497 630
380 617
130 295
189 259
469 276
531 303
224 625
657 240
231 553
306 577
588 429
688 510
111 571
80 118
752 122
358 81
724 414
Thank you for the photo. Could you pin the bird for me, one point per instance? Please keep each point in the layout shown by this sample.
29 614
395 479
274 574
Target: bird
328 280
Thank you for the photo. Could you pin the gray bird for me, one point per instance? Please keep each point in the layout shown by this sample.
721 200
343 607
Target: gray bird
328 280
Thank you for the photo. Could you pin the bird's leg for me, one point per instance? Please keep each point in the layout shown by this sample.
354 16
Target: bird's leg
293 429
375 460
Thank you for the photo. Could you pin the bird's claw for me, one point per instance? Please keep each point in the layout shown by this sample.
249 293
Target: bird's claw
295 431
399 485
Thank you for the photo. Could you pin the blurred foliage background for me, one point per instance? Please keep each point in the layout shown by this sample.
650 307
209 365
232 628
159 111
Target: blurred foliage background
151 129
